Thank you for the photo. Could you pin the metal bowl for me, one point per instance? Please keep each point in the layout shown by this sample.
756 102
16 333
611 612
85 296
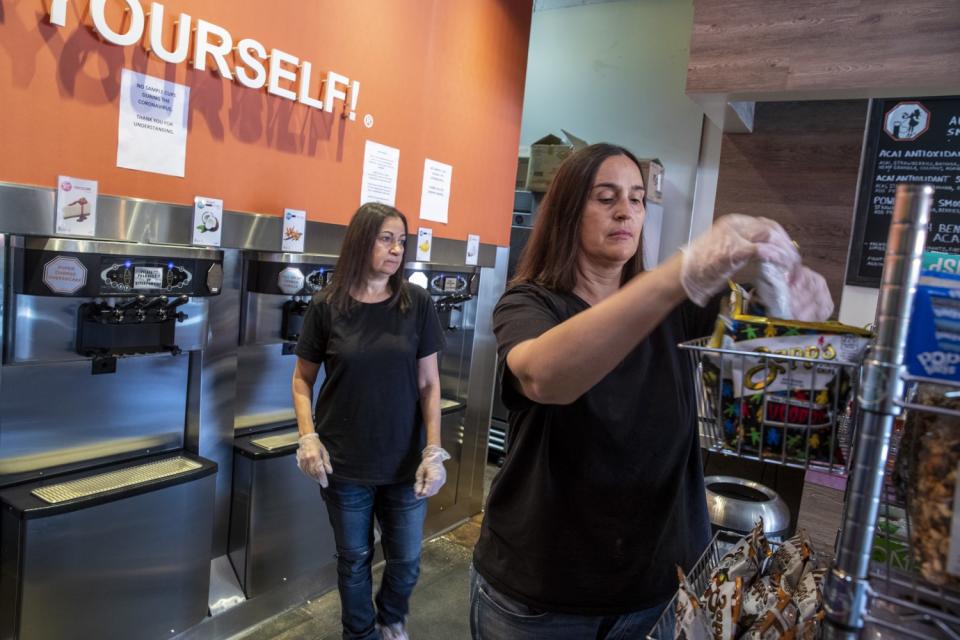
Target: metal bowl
735 504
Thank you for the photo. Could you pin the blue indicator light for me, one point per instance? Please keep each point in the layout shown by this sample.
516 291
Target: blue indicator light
169 265
128 264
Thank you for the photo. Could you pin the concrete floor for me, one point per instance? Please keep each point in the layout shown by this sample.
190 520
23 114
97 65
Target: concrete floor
439 608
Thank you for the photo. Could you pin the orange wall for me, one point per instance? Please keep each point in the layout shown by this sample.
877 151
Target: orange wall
443 79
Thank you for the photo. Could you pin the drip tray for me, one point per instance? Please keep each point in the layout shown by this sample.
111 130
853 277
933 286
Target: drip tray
121 479
277 441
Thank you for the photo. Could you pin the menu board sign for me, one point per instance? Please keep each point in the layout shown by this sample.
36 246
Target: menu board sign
914 141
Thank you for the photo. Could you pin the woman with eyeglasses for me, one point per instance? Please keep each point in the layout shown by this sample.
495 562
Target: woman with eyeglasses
373 440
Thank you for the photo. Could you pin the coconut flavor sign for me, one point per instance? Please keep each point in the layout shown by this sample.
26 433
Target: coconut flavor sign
207 221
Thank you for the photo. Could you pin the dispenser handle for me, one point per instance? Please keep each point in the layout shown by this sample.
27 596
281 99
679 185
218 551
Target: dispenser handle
180 300
154 302
136 302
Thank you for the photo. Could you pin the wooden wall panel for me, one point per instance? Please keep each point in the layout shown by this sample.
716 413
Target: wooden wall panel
799 167
862 47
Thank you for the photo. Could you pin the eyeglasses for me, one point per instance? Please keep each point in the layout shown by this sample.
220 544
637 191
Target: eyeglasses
388 241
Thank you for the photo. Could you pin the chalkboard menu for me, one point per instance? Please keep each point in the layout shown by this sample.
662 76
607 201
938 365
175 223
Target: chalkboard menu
912 140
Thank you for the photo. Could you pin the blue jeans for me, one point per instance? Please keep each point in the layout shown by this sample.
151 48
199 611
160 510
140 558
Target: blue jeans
495 616
400 513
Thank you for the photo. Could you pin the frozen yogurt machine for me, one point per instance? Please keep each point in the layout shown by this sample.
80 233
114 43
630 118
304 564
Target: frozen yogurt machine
148 484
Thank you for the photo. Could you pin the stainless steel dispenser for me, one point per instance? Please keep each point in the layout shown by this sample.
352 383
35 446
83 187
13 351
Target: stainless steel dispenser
279 530
454 292
102 507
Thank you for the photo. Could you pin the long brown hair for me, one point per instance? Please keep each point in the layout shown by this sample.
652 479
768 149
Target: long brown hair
550 256
354 261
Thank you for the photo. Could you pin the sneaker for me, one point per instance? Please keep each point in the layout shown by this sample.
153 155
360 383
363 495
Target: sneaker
395 631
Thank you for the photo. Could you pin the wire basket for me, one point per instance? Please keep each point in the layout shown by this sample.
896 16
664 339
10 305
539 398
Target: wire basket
698 577
802 422
903 603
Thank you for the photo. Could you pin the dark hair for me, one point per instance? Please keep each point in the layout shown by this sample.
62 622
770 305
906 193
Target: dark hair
550 256
354 261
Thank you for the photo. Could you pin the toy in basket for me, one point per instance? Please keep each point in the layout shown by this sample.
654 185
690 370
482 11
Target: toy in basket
782 407
753 592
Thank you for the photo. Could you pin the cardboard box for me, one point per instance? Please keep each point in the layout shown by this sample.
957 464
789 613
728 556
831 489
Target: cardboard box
523 163
652 171
546 156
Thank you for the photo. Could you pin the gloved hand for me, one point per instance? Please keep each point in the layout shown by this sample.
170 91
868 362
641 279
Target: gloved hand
734 242
430 474
809 295
313 459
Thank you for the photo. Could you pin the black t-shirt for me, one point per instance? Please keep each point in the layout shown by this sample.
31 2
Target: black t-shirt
598 501
368 411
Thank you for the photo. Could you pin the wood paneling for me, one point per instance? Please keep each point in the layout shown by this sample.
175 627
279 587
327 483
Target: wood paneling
799 167
870 46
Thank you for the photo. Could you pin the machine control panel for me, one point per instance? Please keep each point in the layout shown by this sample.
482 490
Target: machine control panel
89 275
443 283
143 276
318 279
287 278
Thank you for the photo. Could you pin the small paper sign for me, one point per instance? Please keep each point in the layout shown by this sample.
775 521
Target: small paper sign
152 134
380 166
473 249
76 206
435 195
424 244
207 221
294 230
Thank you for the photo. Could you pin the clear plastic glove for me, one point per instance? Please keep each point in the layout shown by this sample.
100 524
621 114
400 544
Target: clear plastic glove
733 243
430 474
809 295
798 295
313 459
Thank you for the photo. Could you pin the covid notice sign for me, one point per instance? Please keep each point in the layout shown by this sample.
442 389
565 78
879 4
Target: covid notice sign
914 141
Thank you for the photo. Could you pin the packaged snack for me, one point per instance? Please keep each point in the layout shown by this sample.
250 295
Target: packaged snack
777 623
807 630
928 467
781 408
773 289
745 560
760 596
691 621
809 594
723 603
792 558
933 343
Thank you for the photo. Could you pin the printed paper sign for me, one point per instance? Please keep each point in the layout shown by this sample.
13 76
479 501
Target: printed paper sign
207 221
294 230
473 249
153 124
424 244
435 196
76 206
380 165
65 274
